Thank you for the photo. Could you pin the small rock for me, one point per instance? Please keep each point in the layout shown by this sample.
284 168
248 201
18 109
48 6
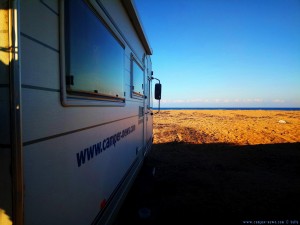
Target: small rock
281 121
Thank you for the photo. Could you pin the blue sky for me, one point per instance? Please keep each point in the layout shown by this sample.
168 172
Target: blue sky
225 53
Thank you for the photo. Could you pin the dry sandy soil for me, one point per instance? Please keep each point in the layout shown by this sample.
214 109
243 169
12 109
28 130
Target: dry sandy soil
243 127
219 167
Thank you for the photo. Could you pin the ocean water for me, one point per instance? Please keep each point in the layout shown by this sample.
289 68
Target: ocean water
252 108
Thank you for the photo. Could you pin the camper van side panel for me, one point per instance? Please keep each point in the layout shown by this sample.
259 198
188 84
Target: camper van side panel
148 103
76 156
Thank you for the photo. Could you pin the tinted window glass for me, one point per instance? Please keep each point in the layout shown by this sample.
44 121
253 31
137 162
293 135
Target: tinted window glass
94 57
137 79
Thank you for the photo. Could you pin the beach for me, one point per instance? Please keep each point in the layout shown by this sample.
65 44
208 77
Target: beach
241 127
219 167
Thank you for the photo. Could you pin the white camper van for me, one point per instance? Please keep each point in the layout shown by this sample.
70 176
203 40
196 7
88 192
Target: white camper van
75 109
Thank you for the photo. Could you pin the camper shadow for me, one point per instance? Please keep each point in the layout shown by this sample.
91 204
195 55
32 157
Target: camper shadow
216 184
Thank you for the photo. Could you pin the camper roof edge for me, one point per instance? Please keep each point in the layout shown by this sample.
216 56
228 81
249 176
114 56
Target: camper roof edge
132 12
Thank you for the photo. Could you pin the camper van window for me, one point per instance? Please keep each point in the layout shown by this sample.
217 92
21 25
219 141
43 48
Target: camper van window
94 56
137 80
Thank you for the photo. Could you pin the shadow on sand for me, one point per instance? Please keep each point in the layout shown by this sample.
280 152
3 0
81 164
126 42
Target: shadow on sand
216 184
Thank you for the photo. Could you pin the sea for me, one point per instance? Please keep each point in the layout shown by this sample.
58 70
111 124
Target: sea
244 108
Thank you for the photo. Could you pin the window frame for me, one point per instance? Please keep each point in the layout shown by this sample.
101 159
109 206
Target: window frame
86 98
133 94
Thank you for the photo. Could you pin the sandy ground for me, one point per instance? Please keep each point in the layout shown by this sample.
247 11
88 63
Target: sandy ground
243 127
219 167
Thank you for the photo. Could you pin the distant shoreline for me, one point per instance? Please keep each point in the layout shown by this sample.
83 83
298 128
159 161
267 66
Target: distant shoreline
229 108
